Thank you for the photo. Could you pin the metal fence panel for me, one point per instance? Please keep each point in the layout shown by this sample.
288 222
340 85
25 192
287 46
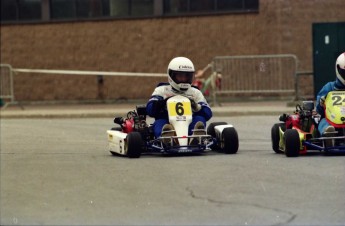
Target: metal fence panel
6 82
256 74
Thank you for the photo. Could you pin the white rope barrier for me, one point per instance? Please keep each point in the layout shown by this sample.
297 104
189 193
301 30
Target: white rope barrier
103 73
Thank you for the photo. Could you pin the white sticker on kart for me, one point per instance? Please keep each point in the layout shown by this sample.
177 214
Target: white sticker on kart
342 110
181 118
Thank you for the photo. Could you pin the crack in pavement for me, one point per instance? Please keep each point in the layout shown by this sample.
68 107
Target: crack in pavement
289 220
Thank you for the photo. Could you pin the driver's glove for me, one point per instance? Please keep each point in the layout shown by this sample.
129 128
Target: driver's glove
195 106
322 101
118 120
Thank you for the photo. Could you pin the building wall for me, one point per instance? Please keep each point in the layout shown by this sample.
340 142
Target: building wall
147 45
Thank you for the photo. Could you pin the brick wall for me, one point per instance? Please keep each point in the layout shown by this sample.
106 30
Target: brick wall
147 45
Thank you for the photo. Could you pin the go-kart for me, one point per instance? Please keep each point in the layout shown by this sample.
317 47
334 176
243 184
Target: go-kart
135 136
297 133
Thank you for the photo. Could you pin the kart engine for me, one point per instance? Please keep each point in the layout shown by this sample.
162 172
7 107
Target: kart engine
135 121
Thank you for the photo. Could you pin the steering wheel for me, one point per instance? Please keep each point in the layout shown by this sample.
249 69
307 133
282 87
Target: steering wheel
300 110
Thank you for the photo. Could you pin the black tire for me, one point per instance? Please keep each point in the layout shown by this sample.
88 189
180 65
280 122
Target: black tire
134 145
210 128
292 143
229 143
275 137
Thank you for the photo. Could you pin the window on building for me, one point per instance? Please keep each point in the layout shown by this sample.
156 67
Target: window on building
118 8
251 4
9 10
18 11
176 7
68 9
141 7
21 10
223 5
30 9
62 9
89 8
201 5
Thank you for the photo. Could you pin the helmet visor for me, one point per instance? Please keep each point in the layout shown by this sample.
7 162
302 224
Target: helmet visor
341 71
182 77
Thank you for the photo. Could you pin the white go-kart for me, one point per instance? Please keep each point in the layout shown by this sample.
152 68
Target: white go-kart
134 135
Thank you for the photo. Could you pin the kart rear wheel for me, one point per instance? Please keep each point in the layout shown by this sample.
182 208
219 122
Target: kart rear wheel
229 142
292 143
210 128
134 145
275 137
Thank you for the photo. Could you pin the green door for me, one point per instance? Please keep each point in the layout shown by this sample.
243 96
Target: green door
328 43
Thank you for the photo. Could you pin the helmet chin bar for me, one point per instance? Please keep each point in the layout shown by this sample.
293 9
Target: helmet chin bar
177 87
341 71
184 86
340 75
340 68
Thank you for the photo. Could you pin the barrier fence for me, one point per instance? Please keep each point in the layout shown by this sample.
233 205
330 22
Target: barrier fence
6 83
240 76
304 85
255 75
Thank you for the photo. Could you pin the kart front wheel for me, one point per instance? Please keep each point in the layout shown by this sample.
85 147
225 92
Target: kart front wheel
292 143
275 137
134 142
229 142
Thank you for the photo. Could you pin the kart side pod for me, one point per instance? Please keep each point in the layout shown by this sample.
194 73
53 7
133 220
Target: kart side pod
219 130
117 142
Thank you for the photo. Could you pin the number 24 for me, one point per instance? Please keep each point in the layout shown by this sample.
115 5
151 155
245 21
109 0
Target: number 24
337 100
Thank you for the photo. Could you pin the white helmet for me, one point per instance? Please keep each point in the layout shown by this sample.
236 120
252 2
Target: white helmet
340 68
181 66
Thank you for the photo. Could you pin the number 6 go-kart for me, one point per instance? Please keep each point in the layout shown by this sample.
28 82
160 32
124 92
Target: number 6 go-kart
298 133
135 136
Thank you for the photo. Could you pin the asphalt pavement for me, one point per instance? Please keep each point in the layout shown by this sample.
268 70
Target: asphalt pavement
120 109
60 172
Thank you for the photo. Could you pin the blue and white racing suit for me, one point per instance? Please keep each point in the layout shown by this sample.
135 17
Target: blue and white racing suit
330 86
157 110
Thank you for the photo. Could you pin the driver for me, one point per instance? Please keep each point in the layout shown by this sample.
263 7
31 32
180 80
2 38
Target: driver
180 77
338 84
